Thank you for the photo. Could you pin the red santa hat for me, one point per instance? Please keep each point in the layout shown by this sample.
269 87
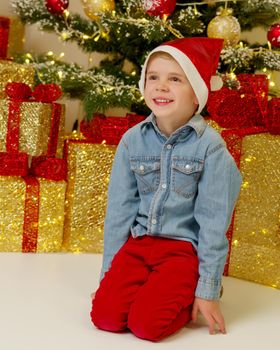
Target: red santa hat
199 58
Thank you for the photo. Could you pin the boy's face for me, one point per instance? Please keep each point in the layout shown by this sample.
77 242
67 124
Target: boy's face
168 92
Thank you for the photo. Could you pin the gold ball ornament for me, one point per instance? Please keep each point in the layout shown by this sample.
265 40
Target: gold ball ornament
225 26
93 8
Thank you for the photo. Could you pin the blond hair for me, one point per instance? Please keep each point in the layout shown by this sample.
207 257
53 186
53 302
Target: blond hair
161 54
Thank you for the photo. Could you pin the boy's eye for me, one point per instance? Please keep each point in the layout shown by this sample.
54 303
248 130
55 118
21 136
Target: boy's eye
152 77
175 79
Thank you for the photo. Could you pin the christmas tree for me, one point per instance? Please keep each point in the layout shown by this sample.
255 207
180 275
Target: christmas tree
127 30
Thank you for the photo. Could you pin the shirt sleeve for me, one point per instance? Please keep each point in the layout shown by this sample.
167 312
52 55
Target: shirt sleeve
218 191
122 206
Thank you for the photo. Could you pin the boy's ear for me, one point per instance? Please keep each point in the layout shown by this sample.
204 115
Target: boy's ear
195 102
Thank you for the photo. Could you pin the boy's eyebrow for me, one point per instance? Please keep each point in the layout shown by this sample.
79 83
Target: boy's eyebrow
170 73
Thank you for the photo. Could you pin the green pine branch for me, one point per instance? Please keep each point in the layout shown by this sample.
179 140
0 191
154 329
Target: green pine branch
128 34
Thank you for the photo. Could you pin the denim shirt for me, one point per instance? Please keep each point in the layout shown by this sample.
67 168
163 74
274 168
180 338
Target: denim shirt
180 187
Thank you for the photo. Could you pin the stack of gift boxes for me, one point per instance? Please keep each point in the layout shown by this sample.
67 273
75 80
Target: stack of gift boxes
32 188
32 171
250 125
53 188
53 195
53 191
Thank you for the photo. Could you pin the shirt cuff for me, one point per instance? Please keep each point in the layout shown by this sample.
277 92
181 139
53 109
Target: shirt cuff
209 289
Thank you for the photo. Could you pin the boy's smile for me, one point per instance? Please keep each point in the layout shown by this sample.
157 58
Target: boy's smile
162 101
168 93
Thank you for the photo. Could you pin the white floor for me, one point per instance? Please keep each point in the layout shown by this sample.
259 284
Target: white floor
45 304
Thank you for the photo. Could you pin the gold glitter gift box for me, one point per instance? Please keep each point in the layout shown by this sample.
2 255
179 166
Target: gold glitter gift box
89 166
31 126
31 214
254 234
11 71
11 36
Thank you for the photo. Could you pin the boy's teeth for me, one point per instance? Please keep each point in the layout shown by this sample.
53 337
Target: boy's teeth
162 100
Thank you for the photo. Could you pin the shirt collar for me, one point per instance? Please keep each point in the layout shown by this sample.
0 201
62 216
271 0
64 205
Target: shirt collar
197 123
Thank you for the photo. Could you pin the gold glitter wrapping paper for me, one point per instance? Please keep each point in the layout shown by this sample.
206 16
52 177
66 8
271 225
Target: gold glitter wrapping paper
14 72
35 124
89 167
255 251
16 36
51 214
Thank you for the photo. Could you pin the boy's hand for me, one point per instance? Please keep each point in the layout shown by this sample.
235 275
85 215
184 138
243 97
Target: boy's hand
210 310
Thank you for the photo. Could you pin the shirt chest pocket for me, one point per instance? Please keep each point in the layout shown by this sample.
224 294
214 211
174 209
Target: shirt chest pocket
185 176
147 173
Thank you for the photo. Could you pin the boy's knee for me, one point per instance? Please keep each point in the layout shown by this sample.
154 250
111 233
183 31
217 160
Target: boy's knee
107 318
152 325
144 327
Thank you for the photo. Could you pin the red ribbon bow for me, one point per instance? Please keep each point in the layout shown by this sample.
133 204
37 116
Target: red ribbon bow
45 93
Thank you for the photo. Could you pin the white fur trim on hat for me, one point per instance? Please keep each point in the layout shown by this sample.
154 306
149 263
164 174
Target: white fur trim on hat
192 74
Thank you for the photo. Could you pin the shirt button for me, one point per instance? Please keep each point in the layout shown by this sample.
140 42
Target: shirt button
154 221
169 146
141 167
163 185
188 166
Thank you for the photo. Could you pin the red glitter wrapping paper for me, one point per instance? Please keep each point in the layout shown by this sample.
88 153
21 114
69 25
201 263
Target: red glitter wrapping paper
13 164
244 107
4 36
109 129
273 116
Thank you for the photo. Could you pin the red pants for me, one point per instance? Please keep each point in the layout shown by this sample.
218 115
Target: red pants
149 288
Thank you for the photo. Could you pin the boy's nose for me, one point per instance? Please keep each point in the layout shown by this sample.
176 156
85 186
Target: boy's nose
162 87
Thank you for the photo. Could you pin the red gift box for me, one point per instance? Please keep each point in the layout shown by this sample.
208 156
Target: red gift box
109 129
273 116
243 107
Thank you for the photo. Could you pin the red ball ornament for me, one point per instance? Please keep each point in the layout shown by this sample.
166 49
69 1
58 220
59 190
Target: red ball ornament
159 7
56 7
273 35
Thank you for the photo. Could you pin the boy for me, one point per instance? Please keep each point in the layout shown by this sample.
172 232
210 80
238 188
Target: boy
172 192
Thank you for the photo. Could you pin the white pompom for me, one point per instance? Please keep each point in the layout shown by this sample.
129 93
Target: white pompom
216 83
